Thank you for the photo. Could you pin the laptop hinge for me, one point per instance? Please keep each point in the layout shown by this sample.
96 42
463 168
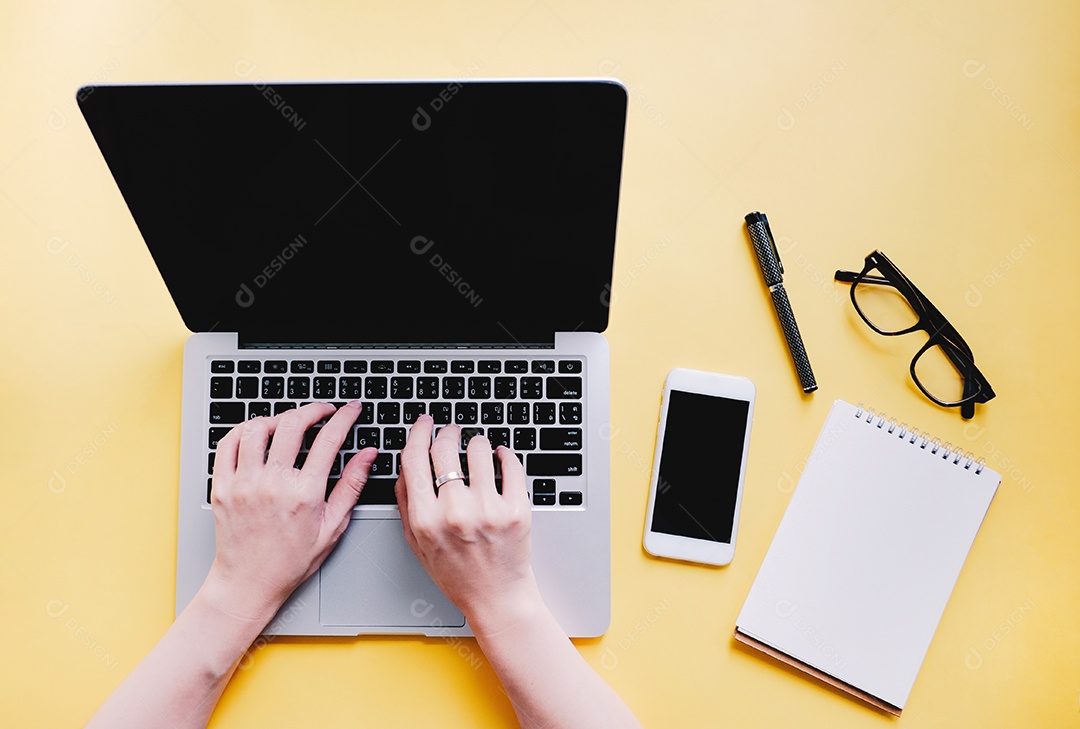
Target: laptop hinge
411 339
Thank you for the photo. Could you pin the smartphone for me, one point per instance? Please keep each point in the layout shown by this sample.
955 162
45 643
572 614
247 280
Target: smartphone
702 440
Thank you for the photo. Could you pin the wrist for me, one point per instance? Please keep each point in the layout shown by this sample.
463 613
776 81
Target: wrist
241 604
517 604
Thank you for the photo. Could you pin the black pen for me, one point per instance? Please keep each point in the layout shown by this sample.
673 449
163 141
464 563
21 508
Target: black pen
772 269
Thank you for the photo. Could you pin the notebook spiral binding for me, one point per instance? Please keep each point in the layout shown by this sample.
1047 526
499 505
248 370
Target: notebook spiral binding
925 441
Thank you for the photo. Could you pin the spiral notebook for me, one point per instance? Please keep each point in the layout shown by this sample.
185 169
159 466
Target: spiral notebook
866 555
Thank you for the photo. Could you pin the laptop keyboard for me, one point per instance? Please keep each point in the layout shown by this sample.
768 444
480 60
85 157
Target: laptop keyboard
534 406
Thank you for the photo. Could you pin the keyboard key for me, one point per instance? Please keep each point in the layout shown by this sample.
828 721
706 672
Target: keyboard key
410 411
479 388
273 388
427 388
532 388
543 499
258 410
441 412
570 366
553 464
543 367
335 467
505 388
465 413
301 458
401 388
435 366
544 413
367 438
209 485
489 366
220 387
517 366
328 367
560 439
498 437
453 388
468 434
517 413
375 388
367 414
249 366
276 367
247 387
355 366
525 440
216 434
570 498
299 387
564 388
378 491
221 367
280 407
382 365
389 413
309 437
347 444
408 366
491 413
543 486
461 366
303 367
210 464
325 388
351 387
226 412
569 413
383 465
393 439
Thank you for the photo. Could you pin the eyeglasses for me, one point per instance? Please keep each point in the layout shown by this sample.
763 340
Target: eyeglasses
944 369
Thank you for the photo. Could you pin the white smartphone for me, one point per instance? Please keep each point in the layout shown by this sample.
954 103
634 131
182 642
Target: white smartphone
702 441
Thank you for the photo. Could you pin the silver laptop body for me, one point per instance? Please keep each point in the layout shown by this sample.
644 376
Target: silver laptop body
495 368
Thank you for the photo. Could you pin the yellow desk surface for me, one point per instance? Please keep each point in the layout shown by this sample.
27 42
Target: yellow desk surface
947 135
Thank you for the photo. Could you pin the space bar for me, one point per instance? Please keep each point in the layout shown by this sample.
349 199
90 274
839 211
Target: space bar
378 491
553 464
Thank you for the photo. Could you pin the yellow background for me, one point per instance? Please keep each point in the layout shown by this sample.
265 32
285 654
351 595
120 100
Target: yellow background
948 135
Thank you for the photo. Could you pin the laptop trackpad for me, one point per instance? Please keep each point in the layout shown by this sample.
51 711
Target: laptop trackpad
372 579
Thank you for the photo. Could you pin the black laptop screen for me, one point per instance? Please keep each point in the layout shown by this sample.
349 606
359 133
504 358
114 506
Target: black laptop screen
315 211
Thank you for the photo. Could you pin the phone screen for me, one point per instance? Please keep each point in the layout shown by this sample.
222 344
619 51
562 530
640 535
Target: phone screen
700 463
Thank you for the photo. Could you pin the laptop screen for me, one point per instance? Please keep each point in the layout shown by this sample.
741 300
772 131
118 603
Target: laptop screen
329 211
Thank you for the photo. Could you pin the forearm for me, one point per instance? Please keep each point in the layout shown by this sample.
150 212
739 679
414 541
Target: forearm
548 681
179 682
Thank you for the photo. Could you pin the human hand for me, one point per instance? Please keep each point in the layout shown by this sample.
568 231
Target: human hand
473 541
272 525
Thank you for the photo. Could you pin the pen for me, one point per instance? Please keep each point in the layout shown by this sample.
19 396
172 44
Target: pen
772 269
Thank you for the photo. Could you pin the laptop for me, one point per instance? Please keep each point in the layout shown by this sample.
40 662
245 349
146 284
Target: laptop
433 246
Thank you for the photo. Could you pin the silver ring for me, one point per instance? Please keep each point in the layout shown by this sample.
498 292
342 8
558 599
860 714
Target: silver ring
452 476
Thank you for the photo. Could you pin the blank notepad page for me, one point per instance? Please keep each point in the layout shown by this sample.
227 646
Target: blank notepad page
868 552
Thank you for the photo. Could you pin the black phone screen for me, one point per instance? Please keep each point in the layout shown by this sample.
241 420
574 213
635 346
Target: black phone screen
700 462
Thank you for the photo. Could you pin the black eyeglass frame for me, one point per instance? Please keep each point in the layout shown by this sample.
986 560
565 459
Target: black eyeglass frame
940 332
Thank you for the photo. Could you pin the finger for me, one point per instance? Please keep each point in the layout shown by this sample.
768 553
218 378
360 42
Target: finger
513 476
481 467
401 491
289 430
320 459
445 458
416 465
347 491
253 435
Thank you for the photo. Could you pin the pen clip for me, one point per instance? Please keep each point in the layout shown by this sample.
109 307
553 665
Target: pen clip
772 241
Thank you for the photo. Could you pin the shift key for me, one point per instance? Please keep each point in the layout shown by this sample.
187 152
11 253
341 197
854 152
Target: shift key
553 464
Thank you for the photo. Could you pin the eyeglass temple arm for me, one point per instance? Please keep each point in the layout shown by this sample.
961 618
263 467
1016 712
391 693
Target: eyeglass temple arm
850 276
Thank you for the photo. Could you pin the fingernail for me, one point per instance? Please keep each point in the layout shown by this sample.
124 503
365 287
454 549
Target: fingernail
354 403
